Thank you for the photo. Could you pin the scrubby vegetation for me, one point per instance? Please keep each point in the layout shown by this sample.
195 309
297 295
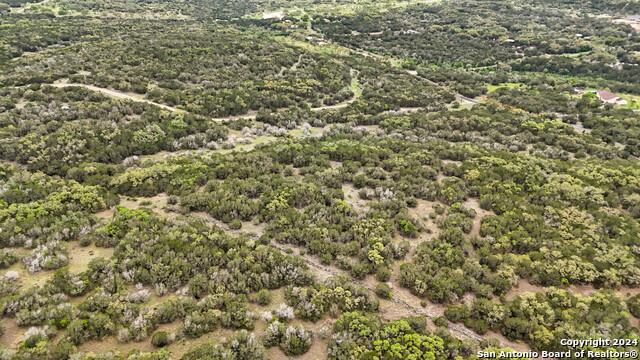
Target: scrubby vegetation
338 179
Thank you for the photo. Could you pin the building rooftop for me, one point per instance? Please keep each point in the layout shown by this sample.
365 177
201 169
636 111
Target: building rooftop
606 95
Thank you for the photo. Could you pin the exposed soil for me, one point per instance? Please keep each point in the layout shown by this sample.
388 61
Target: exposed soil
12 163
472 203
248 227
369 128
135 97
13 334
80 257
523 287
421 212
352 197
580 129
116 94
634 24
624 292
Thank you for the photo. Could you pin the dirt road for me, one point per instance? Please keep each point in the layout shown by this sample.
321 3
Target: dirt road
120 95
116 94
29 5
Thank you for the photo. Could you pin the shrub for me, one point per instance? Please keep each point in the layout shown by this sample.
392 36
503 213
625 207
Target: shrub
273 334
263 297
235 224
172 200
634 305
359 271
241 345
198 286
407 228
457 313
417 323
296 340
441 321
285 312
324 332
63 350
383 274
383 290
160 339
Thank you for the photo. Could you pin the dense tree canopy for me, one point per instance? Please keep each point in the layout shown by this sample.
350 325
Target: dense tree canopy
214 179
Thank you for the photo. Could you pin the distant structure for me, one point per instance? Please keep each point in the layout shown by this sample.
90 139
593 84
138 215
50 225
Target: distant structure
611 98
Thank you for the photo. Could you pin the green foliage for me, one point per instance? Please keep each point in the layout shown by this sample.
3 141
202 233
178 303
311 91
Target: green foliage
383 290
537 182
356 332
542 319
160 339
337 294
296 340
633 304
383 274
262 297
241 345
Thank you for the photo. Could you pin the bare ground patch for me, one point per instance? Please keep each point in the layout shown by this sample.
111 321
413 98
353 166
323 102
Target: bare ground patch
523 287
368 128
248 227
421 212
624 292
318 350
634 24
472 203
352 197
13 334
111 343
27 279
80 257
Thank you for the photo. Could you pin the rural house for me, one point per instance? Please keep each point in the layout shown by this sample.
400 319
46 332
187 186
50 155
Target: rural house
611 98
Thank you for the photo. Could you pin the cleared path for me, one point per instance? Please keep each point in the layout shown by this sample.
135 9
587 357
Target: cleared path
121 95
29 5
116 94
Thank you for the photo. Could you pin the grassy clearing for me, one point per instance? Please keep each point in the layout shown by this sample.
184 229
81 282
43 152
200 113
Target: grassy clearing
492 88
356 87
298 133
80 257
461 107
249 147
633 101
28 280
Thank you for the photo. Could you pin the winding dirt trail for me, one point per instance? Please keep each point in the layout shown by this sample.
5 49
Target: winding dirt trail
13 163
115 94
121 95
415 73
406 303
404 299
29 5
